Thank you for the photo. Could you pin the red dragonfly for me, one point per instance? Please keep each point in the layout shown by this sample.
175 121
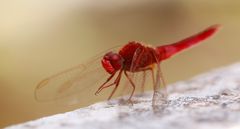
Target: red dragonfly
79 83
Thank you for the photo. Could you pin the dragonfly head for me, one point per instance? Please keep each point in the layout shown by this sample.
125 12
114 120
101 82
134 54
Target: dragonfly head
112 62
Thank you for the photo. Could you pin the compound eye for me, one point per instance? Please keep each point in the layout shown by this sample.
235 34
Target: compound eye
115 57
108 66
108 55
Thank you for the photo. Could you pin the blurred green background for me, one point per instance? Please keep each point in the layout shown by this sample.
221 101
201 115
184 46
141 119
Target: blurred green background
40 38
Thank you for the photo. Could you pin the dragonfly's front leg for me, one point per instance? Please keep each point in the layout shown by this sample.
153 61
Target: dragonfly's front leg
104 84
117 81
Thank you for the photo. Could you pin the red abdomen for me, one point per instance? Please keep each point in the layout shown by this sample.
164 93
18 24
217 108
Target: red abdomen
139 56
169 50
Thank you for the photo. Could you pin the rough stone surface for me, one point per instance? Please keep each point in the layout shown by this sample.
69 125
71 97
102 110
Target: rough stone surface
211 100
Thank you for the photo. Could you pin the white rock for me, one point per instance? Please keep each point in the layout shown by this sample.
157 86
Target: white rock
210 100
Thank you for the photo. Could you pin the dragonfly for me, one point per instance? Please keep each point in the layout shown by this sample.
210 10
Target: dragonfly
85 81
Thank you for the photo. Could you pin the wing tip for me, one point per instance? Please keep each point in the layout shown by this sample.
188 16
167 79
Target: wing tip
42 83
215 27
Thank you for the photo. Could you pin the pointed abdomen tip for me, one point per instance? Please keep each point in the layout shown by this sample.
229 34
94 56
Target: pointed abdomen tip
216 27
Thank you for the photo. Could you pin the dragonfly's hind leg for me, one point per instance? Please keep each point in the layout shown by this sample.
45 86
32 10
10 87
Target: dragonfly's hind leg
159 100
143 82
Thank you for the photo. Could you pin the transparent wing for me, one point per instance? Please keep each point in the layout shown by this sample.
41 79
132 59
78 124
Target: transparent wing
76 85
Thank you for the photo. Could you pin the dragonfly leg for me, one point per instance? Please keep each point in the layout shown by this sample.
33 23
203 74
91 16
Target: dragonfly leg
144 77
163 81
103 85
133 85
106 86
117 83
153 77
143 82
159 95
